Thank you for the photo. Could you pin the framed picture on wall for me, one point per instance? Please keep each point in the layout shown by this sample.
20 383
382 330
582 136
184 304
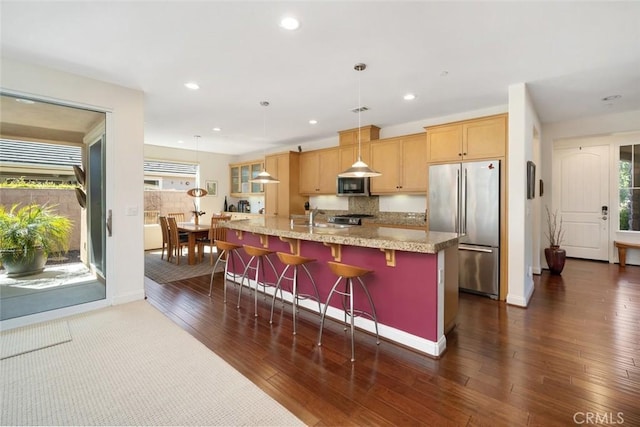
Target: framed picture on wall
531 180
212 188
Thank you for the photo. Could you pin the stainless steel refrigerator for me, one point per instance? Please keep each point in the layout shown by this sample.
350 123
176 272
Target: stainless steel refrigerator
464 198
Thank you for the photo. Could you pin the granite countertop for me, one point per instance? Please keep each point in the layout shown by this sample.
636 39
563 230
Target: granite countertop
381 237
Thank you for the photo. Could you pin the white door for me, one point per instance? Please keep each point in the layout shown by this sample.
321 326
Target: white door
581 195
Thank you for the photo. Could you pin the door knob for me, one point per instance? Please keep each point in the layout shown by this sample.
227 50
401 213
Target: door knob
604 217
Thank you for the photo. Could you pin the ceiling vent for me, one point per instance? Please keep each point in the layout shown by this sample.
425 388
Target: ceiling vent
360 109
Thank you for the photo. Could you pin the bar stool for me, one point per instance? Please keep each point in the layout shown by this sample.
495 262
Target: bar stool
257 254
226 251
349 272
295 261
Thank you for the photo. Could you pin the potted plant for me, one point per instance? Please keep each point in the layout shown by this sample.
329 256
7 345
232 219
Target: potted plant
28 235
554 255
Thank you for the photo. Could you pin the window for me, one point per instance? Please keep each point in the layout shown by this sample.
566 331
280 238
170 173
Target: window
166 184
163 175
629 185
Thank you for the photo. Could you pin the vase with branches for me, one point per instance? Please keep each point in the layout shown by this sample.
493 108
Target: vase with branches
197 213
555 256
555 233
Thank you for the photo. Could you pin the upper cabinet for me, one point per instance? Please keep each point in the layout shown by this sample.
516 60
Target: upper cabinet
476 139
318 171
283 199
350 149
241 173
367 133
349 154
402 161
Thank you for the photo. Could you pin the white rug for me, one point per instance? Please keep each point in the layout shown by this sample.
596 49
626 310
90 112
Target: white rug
31 338
130 365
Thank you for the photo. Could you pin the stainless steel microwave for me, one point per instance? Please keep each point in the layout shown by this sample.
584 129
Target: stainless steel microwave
352 186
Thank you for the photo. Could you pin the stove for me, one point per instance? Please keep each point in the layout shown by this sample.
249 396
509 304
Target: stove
351 219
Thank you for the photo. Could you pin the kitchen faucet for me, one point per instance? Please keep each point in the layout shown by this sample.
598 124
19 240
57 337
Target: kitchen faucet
313 214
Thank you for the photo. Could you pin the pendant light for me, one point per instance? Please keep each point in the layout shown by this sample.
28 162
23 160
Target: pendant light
197 191
359 169
264 177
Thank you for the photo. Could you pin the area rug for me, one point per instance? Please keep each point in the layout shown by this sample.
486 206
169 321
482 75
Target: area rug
32 338
130 365
162 271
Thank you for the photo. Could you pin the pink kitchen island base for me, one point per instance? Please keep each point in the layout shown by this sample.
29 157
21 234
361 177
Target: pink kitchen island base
414 279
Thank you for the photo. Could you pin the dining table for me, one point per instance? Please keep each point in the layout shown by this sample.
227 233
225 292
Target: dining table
194 231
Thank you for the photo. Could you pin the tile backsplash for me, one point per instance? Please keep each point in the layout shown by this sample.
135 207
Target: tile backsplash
371 206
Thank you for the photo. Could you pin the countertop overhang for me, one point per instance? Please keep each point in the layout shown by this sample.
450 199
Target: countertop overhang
409 240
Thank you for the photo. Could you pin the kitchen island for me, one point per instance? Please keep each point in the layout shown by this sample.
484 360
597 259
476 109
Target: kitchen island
414 283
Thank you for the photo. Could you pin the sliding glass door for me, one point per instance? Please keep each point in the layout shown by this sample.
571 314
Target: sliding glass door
49 176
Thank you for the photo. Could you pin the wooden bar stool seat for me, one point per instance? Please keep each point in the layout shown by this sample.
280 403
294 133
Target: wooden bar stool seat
349 273
295 261
226 251
345 270
259 255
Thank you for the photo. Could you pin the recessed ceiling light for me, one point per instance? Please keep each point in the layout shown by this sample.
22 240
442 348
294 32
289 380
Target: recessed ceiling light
192 85
181 142
409 97
611 98
25 101
289 23
217 129
313 122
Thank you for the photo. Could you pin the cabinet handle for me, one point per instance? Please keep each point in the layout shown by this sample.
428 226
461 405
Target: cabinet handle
459 154
464 154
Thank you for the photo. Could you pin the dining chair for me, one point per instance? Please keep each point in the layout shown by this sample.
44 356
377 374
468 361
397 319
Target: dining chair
164 226
178 241
215 233
179 216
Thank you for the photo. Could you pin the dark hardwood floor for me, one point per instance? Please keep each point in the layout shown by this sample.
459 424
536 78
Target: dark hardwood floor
572 357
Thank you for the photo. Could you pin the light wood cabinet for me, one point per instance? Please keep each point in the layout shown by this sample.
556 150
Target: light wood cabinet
283 199
318 171
349 155
402 161
477 139
367 133
240 174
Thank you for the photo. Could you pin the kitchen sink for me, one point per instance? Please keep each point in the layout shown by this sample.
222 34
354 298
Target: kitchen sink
331 225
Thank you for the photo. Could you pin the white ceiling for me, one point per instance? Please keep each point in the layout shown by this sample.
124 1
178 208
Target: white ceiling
571 54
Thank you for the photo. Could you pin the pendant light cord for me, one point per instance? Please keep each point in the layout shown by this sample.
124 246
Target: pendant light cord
264 134
358 68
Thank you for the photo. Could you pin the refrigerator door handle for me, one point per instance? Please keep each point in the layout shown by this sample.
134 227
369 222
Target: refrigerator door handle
464 200
475 249
457 220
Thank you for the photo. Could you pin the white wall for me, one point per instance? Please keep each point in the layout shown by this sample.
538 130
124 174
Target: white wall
125 138
608 129
523 122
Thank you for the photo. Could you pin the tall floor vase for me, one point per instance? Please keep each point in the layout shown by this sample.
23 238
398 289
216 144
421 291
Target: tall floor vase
555 259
